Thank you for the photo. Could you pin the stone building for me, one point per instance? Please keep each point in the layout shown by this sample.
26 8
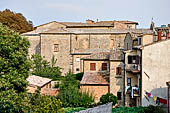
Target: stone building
103 74
44 84
70 41
146 67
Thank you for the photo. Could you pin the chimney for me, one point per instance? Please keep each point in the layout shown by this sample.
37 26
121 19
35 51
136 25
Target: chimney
159 35
89 21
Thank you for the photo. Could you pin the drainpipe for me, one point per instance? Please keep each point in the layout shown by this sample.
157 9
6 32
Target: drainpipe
124 69
140 76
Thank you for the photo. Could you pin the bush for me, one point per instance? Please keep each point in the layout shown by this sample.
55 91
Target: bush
154 109
73 110
45 104
44 69
70 94
108 98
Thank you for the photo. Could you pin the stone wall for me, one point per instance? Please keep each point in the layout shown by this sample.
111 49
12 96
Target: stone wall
116 81
48 42
98 66
95 90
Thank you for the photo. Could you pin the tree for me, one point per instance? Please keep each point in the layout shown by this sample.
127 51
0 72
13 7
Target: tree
70 94
14 69
108 98
15 21
45 104
44 69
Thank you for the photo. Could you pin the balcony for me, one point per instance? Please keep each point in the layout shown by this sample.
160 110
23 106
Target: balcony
133 91
134 68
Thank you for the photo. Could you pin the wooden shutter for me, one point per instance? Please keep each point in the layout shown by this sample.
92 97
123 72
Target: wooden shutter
104 66
92 66
118 71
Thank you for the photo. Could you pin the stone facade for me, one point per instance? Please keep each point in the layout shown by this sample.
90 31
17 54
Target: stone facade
95 90
155 70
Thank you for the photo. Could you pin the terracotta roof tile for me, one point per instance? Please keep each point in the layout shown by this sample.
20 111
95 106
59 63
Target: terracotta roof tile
95 78
99 56
37 80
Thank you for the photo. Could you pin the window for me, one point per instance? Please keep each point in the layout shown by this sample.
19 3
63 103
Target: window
111 44
139 40
77 69
119 95
56 47
92 66
118 71
77 59
104 66
133 59
128 81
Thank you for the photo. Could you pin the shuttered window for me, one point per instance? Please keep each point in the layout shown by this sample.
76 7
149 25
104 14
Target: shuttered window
104 66
118 71
92 66
56 47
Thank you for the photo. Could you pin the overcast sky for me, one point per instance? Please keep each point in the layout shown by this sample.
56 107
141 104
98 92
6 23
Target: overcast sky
43 11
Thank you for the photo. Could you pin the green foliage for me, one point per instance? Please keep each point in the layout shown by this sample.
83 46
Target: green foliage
69 80
108 98
44 69
45 104
154 109
129 110
14 68
79 76
15 21
148 109
73 110
70 94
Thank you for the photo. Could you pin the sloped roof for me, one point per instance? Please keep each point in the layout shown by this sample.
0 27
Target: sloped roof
123 21
99 56
94 78
116 54
59 30
37 80
79 24
89 51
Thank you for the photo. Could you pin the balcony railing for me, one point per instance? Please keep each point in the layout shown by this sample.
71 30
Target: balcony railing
133 91
135 68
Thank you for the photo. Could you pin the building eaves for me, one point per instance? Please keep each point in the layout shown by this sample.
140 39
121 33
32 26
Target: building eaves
95 78
37 80
98 56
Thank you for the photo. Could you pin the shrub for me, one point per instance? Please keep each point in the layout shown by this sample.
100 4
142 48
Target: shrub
45 104
154 109
70 94
108 98
44 69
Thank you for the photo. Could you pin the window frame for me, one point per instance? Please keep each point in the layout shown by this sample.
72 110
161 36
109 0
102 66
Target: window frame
129 83
56 47
119 95
104 66
118 71
92 66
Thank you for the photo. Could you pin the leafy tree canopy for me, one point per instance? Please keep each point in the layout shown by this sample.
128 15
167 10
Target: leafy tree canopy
15 21
70 94
14 69
44 69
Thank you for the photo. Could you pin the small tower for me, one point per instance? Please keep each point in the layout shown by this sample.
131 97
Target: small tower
152 26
